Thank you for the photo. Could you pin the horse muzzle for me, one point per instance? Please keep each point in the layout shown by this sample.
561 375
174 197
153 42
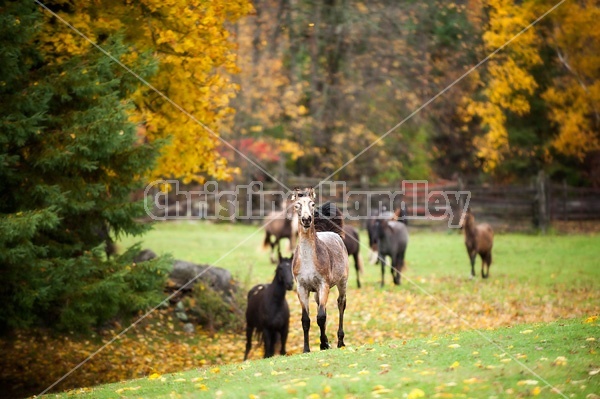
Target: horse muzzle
306 222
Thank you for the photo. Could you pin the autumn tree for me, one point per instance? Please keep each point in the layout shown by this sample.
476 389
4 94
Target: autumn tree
69 159
195 57
538 105
333 77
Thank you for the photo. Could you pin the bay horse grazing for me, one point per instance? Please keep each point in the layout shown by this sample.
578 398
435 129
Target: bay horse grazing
392 240
479 239
320 262
352 243
268 312
279 225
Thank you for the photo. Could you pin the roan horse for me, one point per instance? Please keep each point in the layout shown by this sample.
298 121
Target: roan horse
280 224
352 243
399 214
268 312
479 239
320 262
392 240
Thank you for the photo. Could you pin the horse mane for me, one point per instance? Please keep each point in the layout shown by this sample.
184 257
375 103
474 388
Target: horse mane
328 217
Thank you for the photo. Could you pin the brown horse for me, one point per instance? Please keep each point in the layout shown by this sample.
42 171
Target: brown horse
479 239
320 262
280 224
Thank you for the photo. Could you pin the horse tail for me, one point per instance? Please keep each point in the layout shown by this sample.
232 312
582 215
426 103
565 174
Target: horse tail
328 217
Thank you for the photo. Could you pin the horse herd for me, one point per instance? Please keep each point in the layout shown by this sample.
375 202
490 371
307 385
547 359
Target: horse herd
320 262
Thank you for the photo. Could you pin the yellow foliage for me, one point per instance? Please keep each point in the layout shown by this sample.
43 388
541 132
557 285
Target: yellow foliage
574 93
195 58
575 97
509 79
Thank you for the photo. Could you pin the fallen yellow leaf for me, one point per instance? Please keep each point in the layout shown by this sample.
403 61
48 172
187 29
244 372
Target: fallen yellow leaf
560 361
536 391
454 365
121 390
526 331
416 393
527 382
154 376
454 346
201 387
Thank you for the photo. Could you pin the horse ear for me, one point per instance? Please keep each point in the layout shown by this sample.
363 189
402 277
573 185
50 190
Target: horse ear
294 195
312 193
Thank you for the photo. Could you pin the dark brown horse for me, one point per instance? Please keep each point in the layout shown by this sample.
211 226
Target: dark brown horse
268 312
352 243
279 225
320 262
479 239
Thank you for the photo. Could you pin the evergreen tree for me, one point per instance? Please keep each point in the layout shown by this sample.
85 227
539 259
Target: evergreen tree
69 159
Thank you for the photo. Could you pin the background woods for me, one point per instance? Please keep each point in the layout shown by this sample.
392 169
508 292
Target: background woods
338 74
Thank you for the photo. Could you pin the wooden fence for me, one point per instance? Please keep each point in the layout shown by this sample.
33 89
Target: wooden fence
426 204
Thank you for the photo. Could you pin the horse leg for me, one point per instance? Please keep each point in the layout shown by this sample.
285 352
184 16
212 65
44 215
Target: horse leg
269 337
383 265
397 268
249 331
357 267
284 334
273 245
322 315
341 301
482 256
486 261
303 298
472 257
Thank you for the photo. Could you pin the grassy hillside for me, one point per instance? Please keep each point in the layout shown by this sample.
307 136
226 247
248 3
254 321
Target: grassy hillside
550 360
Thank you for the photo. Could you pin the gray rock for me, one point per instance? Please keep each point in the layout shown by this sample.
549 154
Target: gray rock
181 316
144 255
189 328
186 274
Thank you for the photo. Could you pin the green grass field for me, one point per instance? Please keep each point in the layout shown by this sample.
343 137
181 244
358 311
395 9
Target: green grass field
401 340
540 260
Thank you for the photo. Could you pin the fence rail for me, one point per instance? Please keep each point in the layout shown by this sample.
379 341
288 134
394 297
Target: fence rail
428 204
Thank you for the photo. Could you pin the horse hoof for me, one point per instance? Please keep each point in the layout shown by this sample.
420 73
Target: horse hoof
325 346
341 344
